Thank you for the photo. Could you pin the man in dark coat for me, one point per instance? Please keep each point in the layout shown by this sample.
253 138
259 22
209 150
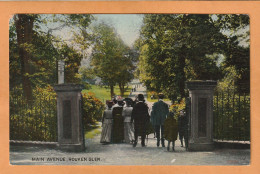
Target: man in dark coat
140 117
159 113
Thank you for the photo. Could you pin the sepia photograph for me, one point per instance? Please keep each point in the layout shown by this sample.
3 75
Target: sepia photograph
161 89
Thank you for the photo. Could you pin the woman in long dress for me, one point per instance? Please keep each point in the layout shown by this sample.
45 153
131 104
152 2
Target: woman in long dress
128 126
107 122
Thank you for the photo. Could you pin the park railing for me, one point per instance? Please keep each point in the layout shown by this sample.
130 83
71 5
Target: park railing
33 120
231 115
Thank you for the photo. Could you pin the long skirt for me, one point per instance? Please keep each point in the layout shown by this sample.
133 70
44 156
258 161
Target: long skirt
118 125
128 132
106 131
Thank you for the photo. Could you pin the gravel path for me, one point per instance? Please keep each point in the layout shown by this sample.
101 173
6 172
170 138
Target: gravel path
125 154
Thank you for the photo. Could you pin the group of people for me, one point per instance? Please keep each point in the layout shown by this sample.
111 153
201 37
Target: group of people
166 126
116 122
124 121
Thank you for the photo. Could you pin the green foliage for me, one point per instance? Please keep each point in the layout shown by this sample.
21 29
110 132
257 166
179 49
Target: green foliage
228 82
176 107
35 51
43 61
177 48
231 116
232 22
105 54
35 120
173 49
93 109
237 57
86 75
110 59
72 63
237 48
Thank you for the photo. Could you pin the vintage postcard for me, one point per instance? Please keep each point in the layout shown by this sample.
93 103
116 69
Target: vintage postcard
156 88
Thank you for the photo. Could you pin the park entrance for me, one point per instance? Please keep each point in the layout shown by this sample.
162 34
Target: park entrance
215 116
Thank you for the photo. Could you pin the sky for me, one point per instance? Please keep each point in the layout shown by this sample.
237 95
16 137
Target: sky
126 25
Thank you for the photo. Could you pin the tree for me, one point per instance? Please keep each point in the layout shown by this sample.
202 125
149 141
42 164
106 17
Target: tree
110 60
72 60
86 75
237 49
24 29
34 50
176 48
126 68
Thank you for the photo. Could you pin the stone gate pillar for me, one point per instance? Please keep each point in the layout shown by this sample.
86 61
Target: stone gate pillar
201 116
69 117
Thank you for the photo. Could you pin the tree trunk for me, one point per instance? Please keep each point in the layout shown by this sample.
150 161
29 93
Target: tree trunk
24 30
111 91
122 89
182 73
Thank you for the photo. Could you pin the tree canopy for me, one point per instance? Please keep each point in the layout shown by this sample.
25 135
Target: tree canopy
171 49
34 50
111 58
177 48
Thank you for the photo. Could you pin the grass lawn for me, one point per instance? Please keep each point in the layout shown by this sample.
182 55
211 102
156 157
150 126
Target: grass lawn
103 93
92 130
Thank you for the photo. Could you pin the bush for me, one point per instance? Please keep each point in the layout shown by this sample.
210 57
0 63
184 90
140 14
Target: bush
34 120
231 115
177 107
93 109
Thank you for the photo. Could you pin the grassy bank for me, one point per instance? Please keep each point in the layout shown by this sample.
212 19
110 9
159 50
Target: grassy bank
92 131
103 93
